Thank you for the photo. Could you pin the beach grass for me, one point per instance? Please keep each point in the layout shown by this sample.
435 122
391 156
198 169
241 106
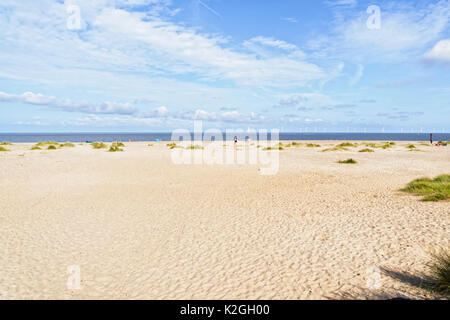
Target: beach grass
118 144
296 144
335 149
431 189
35 147
52 147
411 146
439 276
194 147
273 148
98 145
150 145
366 150
347 144
171 145
67 145
3 148
114 148
313 145
348 161
5 144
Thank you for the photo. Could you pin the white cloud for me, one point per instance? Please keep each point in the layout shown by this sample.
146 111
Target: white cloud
69 105
271 42
440 53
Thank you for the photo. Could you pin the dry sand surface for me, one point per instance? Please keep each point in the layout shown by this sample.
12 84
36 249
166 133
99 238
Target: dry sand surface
140 227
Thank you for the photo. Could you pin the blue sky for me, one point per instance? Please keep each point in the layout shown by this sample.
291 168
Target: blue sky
158 65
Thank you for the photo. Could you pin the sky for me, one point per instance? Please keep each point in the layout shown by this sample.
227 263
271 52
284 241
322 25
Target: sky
160 65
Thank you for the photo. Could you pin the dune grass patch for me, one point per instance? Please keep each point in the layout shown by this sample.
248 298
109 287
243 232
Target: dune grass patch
348 161
5 144
3 149
273 148
411 146
439 274
347 144
118 144
35 147
114 148
194 147
52 147
335 149
150 145
366 150
98 145
313 145
67 145
431 189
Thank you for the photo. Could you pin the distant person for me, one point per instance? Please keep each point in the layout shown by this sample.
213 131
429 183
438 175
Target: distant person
235 140
431 138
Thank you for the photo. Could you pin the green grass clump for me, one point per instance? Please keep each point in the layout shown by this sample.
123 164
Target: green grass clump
118 144
335 149
313 145
114 148
35 147
3 149
443 143
273 148
51 147
172 145
347 144
98 145
6 144
411 146
366 150
432 189
296 144
194 147
47 143
439 277
348 161
150 144
67 145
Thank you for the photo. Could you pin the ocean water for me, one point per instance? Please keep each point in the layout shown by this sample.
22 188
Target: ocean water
109 137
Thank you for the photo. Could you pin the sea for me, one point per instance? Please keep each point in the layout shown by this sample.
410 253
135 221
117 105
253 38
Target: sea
167 136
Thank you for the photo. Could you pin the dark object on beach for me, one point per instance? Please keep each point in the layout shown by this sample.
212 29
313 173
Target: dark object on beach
431 138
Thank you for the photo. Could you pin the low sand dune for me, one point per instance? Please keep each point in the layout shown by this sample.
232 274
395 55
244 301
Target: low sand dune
140 227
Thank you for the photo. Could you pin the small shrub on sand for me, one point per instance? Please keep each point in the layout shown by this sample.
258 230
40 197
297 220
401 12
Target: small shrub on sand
273 148
114 148
348 161
51 147
366 150
347 144
439 278
35 147
371 145
5 144
296 144
3 149
118 144
432 189
150 144
98 145
411 146
194 147
172 145
313 145
335 149
47 143
67 145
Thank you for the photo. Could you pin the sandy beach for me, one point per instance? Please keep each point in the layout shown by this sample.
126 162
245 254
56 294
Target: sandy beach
140 227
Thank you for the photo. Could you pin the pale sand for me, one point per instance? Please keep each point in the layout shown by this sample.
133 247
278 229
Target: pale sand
141 227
